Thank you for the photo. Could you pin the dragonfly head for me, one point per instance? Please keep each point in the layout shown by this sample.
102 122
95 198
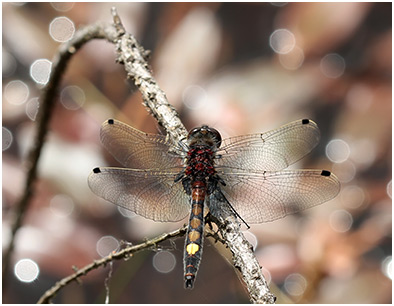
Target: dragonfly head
204 135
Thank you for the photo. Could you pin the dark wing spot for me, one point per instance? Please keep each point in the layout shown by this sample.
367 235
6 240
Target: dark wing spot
110 121
325 173
96 170
305 121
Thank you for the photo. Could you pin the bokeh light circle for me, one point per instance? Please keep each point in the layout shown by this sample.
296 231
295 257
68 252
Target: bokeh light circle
106 244
267 275
387 267
251 238
332 65
62 6
194 97
337 150
40 71
341 221
352 196
164 261
32 107
26 270
293 59
295 284
72 97
282 41
126 213
61 29
345 171
6 139
62 205
16 92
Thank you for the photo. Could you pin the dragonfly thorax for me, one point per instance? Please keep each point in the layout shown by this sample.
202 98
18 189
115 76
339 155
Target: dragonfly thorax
200 163
203 142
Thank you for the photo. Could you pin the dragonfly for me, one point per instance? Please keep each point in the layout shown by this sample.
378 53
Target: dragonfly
166 182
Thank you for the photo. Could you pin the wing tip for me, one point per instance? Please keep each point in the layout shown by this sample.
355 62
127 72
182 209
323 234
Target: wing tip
310 122
334 179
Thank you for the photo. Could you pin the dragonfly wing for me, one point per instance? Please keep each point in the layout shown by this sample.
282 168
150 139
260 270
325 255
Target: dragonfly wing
267 196
135 149
149 193
270 151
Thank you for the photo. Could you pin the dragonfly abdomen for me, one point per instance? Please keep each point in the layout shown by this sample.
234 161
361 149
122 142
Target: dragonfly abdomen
194 236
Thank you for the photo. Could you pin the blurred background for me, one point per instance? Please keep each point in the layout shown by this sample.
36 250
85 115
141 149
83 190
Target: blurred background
241 68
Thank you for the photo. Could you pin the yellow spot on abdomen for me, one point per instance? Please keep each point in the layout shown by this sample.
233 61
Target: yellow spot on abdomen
192 248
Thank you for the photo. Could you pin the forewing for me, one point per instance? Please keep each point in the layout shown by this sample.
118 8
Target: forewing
148 193
267 196
270 151
135 149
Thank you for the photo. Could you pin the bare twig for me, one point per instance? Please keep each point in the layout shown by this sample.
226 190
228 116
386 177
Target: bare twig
123 254
243 257
133 56
59 65
246 262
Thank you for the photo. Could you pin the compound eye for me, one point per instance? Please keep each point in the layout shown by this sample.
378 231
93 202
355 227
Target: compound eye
193 132
217 137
